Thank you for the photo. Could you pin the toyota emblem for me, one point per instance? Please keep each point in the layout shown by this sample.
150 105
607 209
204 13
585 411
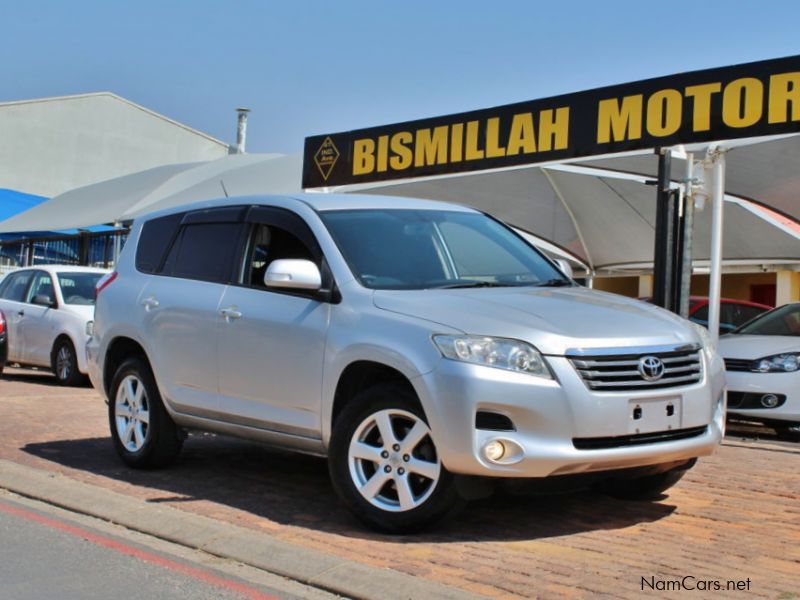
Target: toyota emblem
651 368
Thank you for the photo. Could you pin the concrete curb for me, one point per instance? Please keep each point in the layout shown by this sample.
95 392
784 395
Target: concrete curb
224 540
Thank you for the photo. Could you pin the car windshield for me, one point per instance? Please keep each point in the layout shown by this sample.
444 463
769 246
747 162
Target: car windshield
78 288
405 249
784 320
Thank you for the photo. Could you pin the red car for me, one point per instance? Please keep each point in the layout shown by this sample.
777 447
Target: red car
733 313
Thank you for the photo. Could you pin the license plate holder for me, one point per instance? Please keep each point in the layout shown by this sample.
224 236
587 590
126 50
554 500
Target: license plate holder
649 415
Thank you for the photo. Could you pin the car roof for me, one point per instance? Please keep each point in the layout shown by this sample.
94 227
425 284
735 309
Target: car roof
325 202
61 269
704 300
319 202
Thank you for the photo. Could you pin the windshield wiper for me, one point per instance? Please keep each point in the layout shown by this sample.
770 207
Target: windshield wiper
469 284
555 283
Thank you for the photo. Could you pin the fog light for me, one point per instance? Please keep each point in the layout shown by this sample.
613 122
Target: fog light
769 401
494 450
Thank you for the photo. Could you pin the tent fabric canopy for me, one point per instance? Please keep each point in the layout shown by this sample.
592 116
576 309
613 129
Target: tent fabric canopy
763 170
604 221
13 202
124 198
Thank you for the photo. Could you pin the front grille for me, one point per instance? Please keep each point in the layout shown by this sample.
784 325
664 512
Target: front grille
738 364
620 372
619 441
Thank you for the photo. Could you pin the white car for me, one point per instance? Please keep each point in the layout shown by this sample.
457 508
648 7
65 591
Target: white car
762 359
47 309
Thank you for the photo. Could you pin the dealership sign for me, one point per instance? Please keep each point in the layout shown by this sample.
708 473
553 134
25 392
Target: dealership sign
755 99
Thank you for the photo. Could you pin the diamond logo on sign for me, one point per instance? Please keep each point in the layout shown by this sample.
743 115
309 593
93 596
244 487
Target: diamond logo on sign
326 157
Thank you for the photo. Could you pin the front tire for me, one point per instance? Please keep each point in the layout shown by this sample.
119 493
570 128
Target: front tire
144 435
647 487
384 464
64 362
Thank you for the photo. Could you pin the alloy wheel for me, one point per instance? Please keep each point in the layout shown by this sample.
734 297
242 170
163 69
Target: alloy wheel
64 363
393 461
132 413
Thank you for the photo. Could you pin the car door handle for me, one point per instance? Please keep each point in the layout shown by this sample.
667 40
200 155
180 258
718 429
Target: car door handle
150 303
230 314
21 313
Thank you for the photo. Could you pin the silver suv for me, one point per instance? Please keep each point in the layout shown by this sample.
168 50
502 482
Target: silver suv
424 348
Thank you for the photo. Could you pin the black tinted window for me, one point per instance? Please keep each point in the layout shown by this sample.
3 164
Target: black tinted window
17 286
779 321
206 251
268 244
154 240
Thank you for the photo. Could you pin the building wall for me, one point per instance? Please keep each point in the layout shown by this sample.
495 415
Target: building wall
737 286
625 286
52 145
734 285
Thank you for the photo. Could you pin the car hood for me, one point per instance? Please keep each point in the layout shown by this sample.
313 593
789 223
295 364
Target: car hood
756 346
554 320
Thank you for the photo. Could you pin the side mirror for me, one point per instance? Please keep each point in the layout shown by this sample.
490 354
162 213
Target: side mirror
293 273
43 300
564 265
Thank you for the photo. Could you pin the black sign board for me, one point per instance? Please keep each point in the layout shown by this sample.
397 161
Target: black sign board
755 99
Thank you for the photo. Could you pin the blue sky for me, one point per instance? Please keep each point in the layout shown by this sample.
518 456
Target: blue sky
316 67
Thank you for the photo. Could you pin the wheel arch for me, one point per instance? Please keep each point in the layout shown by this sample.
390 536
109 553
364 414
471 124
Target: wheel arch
58 339
358 375
120 349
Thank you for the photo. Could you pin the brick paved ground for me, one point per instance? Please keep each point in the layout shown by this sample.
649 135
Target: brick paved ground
735 516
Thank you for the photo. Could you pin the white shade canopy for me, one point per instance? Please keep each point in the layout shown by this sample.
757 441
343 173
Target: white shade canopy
124 198
606 221
764 170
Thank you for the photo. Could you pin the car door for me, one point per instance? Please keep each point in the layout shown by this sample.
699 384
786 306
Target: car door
37 326
14 291
272 343
180 309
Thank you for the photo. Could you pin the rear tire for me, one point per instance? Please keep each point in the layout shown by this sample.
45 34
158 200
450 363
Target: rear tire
144 435
384 465
648 487
64 362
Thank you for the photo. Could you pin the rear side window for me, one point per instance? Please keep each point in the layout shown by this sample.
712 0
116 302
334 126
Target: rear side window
155 239
16 286
205 251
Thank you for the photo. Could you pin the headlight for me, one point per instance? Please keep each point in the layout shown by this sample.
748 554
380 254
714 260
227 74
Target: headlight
500 353
90 328
705 341
779 363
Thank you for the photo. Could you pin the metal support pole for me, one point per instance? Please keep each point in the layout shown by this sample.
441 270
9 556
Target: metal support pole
663 265
241 129
717 159
688 230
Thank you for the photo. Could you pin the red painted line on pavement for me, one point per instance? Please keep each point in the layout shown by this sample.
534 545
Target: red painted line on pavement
149 557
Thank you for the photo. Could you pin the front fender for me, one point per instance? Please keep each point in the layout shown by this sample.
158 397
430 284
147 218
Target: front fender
402 343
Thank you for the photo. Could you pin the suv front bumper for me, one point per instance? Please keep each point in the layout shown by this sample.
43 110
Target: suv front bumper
553 419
